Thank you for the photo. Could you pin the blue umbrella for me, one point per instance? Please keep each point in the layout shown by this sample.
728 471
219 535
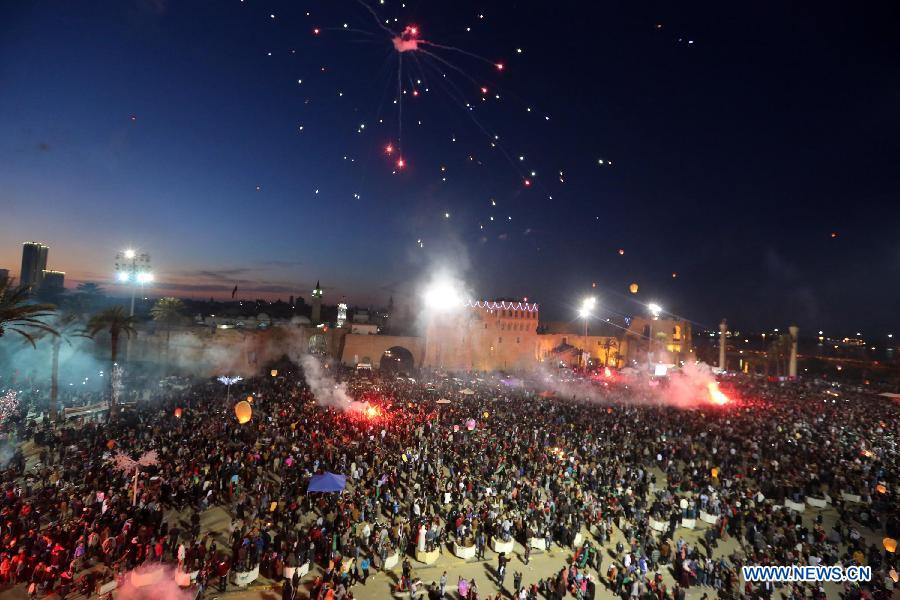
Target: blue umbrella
327 482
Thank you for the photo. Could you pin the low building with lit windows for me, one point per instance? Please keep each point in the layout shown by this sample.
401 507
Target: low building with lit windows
651 340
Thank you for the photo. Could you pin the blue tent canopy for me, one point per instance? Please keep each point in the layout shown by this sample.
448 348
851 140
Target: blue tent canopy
327 482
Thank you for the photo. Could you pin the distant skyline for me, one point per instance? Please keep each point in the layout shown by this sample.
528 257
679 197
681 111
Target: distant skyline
247 143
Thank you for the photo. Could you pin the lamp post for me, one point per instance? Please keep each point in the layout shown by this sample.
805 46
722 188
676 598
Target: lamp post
227 381
655 309
133 268
585 312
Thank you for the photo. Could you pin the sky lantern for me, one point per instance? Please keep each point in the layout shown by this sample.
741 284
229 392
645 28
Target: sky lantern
633 288
890 544
470 424
178 413
250 399
714 472
243 411
111 444
274 372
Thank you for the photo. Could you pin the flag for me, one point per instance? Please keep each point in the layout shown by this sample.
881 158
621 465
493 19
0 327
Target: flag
234 291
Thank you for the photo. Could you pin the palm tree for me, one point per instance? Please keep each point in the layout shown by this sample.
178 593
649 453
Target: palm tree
168 312
86 298
64 326
19 315
117 322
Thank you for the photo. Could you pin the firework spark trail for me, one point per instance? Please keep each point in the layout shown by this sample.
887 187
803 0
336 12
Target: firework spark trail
376 17
460 100
498 66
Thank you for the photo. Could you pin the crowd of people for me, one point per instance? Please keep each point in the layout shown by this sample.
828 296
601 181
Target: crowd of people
444 459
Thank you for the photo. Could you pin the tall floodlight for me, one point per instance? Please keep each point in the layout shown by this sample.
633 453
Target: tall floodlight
133 268
587 305
655 310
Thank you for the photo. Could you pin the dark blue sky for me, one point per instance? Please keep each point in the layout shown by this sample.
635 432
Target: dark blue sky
734 157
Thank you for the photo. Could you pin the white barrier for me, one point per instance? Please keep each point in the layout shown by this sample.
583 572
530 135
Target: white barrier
108 587
708 518
245 578
428 557
658 525
538 543
797 506
851 497
463 552
816 502
302 571
391 561
689 523
498 546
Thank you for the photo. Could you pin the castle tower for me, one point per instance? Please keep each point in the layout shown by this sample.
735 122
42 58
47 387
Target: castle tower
317 304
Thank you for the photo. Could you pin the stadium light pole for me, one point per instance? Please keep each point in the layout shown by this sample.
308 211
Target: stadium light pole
585 312
655 310
133 268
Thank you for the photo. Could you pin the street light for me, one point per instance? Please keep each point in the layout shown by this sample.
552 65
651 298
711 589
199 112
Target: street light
134 268
443 296
585 312
655 310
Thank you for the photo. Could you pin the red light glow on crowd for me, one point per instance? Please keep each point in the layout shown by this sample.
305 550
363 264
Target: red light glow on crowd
716 396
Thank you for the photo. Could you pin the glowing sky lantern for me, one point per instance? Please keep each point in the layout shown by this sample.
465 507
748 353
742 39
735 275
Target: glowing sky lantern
633 288
178 413
111 444
274 372
890 544
714 472
881 489
243 411
470 424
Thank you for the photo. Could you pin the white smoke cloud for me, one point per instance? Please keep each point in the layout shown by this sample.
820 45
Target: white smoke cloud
152 582
685 388
328 392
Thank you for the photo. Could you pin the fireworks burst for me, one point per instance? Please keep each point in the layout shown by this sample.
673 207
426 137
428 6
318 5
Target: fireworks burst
9 404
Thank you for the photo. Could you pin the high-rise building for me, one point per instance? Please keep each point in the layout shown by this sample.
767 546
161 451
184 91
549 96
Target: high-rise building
34 263
4 275
53 281
317 304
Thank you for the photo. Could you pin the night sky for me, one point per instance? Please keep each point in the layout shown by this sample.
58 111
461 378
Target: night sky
742 137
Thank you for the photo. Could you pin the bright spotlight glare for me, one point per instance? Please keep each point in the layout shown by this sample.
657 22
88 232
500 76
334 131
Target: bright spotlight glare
129 254
443 296
145 277
655 309
123 276
584 313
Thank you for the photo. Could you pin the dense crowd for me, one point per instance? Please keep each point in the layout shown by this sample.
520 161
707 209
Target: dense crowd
493 460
